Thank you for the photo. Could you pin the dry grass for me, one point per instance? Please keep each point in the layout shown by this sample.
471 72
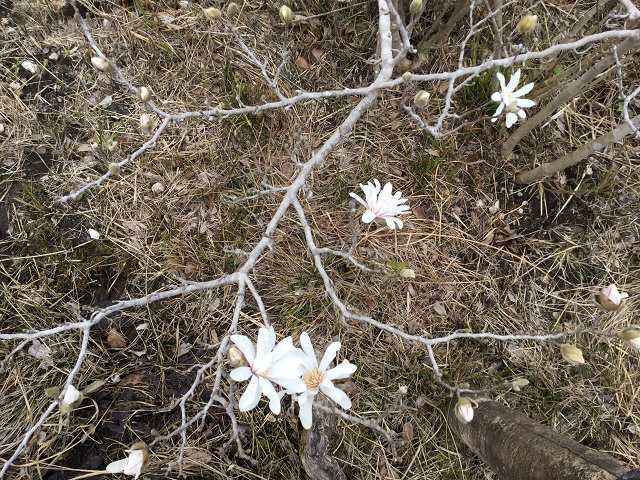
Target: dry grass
527 267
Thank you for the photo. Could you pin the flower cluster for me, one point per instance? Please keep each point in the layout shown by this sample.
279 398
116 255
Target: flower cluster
381 206
509 98
296 370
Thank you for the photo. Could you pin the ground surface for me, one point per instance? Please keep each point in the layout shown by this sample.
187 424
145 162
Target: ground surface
489 255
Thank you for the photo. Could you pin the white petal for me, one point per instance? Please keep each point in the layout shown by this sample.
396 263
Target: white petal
251 396
522 114
282 348
343 370
496 97
262 346
495 119
499 109
271 394
511 119
368 216
360 200
287 367
307 347
329 355
94 234
245 346
391 222
501 80
134 463
262 363
240 374
117 467
513 82
524 90
335 394
293 385
524 103
306 415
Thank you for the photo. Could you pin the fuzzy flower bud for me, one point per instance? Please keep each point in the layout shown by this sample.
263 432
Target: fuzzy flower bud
146 123
631 336
144 94
464 410
101 64
415 6
286 14
571 354
232 10
213 13
421 99
406 76
527 24
114 169
610 298
236 357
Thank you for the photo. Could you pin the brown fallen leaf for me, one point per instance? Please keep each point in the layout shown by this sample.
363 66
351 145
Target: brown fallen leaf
132 379
115 339
302 63
94 386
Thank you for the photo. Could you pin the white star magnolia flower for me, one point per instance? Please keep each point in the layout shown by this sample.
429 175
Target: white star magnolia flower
509 98
381 205
268 363
132 465
318 379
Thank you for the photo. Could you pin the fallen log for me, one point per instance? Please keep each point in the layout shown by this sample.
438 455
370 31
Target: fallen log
516 447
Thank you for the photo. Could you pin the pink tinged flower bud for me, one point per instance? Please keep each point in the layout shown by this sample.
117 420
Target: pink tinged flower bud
286 14
464 410
631 336
610 298
571 354
101 64
146 123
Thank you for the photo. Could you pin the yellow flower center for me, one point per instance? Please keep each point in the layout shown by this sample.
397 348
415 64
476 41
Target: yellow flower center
313 378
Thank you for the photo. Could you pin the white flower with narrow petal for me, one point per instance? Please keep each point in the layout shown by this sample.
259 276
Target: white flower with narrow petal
509 98
268 363
381 205
318 379
134 464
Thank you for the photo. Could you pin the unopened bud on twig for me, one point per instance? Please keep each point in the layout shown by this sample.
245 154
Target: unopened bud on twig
415 6
464 410
527 24
144 94
232 10
286 14
406 76
146 123
213 13
114 169
102 64
610 298
631 336
236 357
72 399
571 354
421 99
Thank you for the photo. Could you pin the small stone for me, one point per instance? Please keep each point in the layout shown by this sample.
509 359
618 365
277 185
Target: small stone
157 188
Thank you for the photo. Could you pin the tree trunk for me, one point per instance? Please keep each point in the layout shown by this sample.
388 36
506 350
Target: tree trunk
516 447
